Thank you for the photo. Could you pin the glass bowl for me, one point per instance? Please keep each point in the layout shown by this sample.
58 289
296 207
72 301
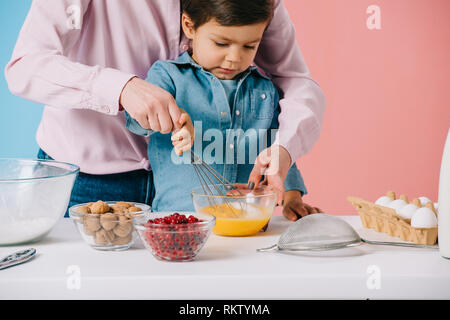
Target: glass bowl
34 195
175 242
108 225
242 213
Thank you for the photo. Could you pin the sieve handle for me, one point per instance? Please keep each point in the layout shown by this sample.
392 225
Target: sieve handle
271 248
401 244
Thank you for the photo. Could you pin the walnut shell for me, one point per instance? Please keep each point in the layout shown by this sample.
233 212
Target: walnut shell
88 231
91 224
117 208
124 227
99 207
103 237
134 209
124 204
84 209
122 240
108 221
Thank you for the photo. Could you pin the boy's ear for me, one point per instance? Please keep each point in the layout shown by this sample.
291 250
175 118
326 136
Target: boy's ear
188 26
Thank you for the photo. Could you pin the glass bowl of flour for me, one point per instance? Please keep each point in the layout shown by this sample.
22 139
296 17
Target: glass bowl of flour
34 195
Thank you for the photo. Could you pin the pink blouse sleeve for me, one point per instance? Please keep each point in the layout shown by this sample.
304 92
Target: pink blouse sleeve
40 70
303 104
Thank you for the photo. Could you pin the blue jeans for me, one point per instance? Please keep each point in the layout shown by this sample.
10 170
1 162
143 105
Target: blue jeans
136 186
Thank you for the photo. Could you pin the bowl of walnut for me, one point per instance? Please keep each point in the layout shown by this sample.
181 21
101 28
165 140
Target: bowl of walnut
108 225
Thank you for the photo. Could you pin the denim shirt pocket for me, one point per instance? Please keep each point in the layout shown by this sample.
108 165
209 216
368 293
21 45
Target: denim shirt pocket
262 104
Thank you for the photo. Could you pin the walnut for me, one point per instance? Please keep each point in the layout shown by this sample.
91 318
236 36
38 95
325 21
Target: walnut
99 207
91 224
87 231
117 208
124 227
122 240
134 209
103 237
108 221
124 204
84 209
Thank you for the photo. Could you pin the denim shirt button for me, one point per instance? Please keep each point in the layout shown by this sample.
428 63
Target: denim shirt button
237 112
223 114
263 96
231 146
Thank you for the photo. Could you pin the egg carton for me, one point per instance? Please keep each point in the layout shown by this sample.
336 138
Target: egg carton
386 220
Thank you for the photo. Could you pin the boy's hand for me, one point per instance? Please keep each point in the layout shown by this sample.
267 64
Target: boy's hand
294 207
273 163
183 139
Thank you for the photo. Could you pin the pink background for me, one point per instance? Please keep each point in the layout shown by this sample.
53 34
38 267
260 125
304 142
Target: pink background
387 112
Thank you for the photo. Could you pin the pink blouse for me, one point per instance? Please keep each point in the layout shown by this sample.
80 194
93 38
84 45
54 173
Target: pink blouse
75 56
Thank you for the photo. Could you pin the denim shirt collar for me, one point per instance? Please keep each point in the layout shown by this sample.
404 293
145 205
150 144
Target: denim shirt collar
185 58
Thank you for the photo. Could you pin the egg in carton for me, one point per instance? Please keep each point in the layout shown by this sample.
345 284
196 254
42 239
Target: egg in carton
414 221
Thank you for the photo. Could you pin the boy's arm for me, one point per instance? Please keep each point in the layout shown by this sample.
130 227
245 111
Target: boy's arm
132 125
293 206
294 181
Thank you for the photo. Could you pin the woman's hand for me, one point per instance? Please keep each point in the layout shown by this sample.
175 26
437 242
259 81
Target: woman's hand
274 163
152 107
183 139
294 207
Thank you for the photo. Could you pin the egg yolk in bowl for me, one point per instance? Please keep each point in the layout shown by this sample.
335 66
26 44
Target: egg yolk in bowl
238 220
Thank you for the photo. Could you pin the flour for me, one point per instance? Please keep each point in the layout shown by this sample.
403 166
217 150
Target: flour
25 230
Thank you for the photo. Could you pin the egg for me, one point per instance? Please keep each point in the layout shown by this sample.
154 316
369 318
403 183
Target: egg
424 200
397 204
383 201
407 211
423 218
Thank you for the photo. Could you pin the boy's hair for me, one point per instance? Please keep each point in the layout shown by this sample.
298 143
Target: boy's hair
228 12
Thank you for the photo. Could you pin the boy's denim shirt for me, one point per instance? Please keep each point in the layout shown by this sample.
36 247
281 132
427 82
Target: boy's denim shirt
203 97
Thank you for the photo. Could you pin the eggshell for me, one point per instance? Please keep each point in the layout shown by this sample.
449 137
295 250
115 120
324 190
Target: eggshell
423 218
407 211
397 204
383 201
424 200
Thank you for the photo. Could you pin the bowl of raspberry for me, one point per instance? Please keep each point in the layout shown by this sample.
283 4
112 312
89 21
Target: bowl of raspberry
175 236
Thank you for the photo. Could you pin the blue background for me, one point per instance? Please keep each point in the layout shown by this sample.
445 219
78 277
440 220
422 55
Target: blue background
19 117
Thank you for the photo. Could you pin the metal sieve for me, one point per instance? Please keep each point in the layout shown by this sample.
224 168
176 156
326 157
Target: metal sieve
321 231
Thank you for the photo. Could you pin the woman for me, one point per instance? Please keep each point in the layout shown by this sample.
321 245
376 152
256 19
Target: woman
85 59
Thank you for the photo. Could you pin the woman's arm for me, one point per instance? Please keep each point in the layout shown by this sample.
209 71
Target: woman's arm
303 104
40 71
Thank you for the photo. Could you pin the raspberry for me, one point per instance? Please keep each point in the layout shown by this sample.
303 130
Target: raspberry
192 219
178 241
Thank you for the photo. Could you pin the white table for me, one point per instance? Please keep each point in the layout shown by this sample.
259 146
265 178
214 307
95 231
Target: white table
227 268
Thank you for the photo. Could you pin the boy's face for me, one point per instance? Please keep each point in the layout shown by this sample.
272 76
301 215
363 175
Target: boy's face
224 51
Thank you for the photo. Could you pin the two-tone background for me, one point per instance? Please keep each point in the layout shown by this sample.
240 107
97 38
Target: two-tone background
386 77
